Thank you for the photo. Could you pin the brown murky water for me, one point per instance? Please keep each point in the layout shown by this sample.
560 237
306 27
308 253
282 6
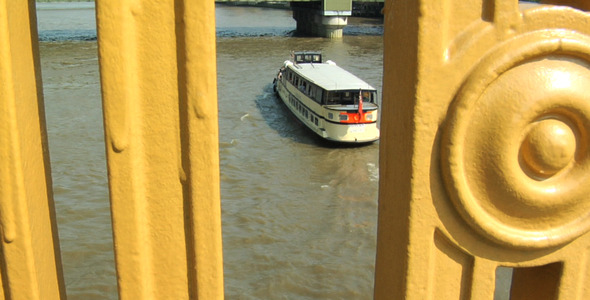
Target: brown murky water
299 217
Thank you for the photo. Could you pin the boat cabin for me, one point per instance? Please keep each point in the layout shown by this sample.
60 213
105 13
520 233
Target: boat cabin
302 57
328 84
349 97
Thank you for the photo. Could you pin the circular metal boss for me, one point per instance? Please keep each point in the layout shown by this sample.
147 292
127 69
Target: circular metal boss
515 144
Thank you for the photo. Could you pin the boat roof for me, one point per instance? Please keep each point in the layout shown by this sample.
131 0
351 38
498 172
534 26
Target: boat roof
330 76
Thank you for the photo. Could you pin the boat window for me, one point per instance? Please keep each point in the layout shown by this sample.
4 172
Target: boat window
373 97
348 97
309 57
369 96
318 95
332 98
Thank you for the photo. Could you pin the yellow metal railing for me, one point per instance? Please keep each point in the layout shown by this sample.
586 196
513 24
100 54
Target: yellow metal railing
484 160
30 258
158 76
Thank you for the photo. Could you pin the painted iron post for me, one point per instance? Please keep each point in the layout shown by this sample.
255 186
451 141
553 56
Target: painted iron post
158 75
30 255
484 154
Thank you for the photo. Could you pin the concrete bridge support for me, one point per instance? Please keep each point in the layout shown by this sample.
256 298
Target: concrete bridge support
326 18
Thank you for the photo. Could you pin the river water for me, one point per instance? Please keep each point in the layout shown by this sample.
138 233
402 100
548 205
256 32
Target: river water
299 216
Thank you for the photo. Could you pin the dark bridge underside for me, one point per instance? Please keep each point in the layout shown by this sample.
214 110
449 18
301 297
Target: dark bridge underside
325 18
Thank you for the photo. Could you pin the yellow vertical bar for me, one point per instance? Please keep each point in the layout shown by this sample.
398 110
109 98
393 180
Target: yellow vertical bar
30 256
198 95
158 76
483 279
396 157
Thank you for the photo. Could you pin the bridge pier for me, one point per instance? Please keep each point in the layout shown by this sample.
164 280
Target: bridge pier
325 19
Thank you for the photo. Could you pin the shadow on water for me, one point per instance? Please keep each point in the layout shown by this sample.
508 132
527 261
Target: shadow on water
279 118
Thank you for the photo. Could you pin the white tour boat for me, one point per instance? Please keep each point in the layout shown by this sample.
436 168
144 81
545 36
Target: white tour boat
331 101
